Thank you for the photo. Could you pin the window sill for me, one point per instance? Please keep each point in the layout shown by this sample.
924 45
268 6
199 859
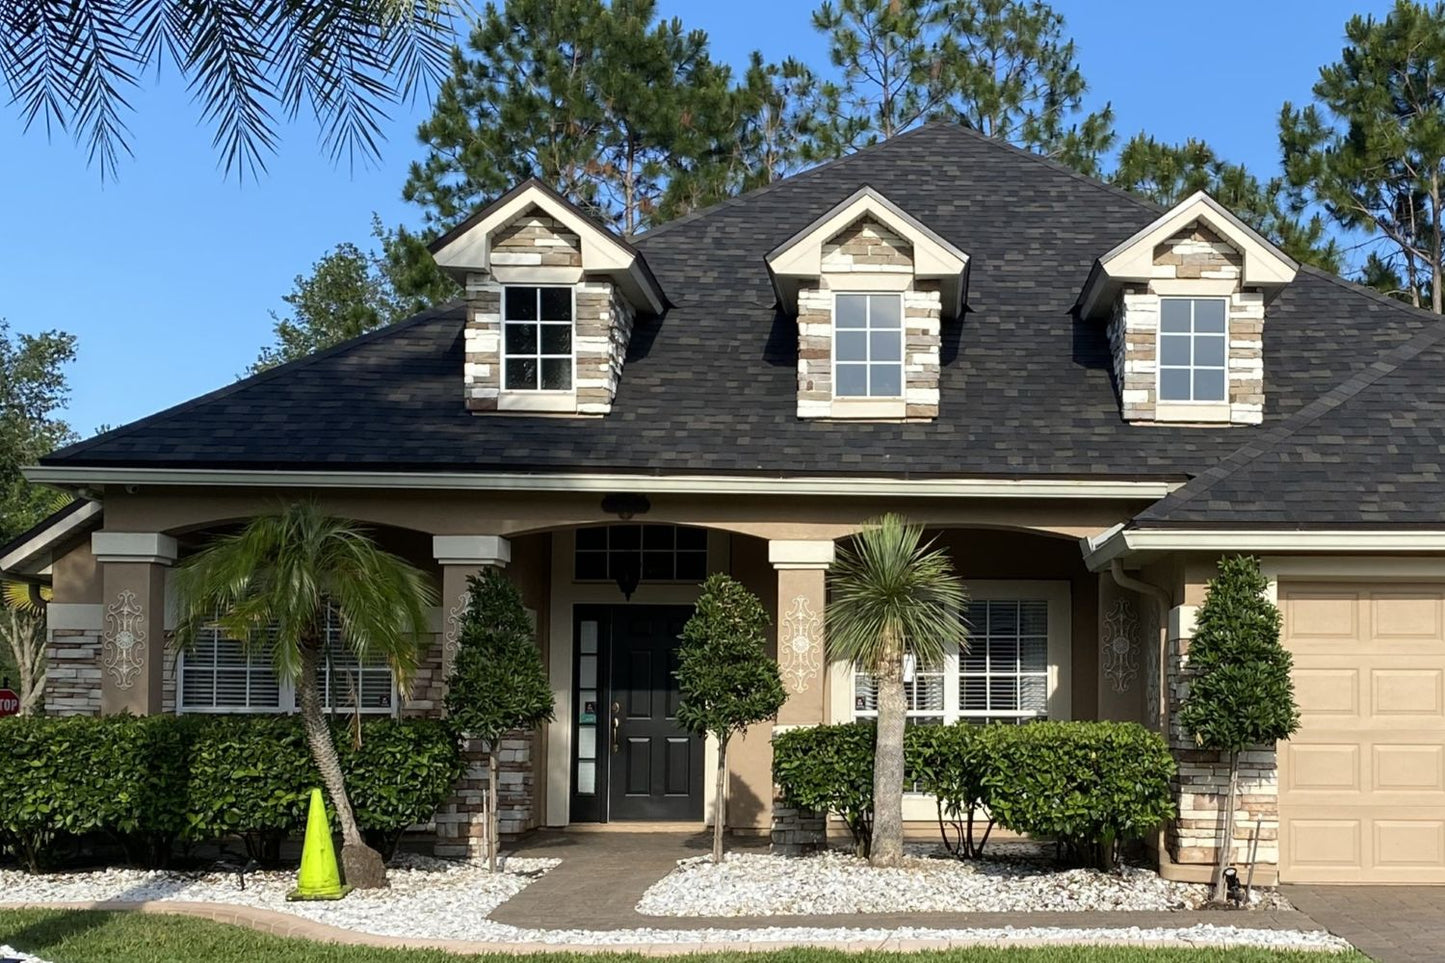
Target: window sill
868 408
546 401
1210 411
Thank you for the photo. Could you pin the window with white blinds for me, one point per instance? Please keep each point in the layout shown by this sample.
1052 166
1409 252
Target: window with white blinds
1003 674
219 675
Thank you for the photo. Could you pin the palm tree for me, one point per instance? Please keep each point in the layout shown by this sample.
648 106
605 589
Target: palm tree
893 595
269 585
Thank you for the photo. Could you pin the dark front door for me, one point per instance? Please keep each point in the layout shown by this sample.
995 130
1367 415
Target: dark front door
649 768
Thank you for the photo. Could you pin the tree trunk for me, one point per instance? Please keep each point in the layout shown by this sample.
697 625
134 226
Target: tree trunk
26 638
888 768
720 807
362 865
1435 266
1226 846
493 823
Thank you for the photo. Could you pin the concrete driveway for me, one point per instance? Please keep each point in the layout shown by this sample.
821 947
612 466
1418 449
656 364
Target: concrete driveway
1393 924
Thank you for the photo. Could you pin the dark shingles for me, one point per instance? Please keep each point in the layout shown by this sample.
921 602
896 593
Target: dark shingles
711 386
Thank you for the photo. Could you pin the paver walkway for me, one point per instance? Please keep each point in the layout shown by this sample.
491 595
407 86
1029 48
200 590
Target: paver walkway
1393 924
603 875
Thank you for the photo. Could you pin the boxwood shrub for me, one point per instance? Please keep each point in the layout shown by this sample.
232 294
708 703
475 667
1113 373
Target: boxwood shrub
1086 785
150 782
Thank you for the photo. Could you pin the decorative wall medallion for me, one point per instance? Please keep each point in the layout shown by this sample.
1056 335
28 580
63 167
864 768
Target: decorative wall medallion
123 647
452 631
800 644
1121 645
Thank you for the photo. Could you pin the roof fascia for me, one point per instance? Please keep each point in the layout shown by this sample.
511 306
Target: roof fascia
36 552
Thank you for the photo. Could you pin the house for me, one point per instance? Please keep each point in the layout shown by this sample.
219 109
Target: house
1086 398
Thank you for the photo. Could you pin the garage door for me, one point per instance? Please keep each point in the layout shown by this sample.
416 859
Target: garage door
1362 784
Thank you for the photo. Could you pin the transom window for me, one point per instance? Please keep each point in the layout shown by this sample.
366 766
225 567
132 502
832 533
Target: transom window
537 338
220 675
1003 676
661 553
868 346
1193 346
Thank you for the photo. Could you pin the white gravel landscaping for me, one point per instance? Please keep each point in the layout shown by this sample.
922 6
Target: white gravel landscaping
10 953
757 884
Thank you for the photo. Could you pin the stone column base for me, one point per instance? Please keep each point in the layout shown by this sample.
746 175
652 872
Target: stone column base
797 832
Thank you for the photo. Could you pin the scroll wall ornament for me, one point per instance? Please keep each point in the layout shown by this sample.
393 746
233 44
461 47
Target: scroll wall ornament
123 647
1121 645
452 632
800 654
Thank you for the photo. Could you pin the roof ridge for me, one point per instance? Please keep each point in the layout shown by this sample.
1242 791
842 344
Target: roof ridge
1388 362
260 377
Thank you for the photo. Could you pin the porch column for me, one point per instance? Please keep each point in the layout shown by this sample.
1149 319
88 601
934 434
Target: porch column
802 567
133 643
460 821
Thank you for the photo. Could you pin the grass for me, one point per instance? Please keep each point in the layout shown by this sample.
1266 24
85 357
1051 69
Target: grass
89 937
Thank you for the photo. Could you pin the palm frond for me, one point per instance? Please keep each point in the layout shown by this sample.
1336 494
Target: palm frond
893 593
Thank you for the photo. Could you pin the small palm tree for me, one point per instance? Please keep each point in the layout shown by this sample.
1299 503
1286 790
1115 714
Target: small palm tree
893 595
269 585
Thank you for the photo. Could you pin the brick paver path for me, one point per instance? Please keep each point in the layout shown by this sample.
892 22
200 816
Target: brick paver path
1393 924
603 875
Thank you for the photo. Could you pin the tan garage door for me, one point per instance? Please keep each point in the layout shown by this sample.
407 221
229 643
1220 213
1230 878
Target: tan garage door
1362 784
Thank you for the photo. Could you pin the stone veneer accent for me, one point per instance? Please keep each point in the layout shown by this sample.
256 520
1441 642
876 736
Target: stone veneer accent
602 324
1202 782
867 249
797 832
73 673
1195 253
460 827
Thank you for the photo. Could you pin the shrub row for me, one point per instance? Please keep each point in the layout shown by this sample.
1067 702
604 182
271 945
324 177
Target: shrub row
1086 785
156 782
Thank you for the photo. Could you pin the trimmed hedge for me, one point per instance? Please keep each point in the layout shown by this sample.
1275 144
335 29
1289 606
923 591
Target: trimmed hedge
153 782
1086 785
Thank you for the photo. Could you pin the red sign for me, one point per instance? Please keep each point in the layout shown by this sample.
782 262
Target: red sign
9 702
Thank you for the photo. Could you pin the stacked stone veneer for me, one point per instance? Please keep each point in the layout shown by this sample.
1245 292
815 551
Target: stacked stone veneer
602 324
72 674
1195 253
460 824
1201 786
797 832
863 250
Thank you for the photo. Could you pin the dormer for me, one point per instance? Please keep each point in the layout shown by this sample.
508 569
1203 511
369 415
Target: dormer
551 299
1184 300
870 286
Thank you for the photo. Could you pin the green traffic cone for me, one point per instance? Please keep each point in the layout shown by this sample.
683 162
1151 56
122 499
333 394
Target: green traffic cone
320 877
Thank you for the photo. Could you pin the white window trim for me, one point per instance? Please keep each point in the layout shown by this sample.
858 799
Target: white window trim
902 350
535 399
1189 409
1059 596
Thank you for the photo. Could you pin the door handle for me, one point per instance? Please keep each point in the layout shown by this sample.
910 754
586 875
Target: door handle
616 726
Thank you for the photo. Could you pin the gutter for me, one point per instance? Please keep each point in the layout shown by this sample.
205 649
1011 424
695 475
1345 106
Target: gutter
1115 543
602 483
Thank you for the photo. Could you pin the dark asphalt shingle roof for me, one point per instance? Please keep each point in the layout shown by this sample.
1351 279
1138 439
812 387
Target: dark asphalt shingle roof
711 386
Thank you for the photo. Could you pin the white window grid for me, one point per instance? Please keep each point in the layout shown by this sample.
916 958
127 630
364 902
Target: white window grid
1003 676
872 338
539 354
1194 337
219 675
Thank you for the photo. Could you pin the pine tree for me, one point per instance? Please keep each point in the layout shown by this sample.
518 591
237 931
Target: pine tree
497 682
1240 695
1001 67
1371 150
726 677
1168 173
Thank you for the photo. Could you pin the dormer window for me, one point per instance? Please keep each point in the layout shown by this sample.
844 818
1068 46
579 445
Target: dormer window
537 338
868 346
1193 358
1184 302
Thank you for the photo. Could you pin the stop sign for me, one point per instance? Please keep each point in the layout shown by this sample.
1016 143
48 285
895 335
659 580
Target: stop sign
9 702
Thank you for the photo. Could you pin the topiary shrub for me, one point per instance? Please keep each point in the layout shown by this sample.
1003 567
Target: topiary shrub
829 769
1087 785
398 776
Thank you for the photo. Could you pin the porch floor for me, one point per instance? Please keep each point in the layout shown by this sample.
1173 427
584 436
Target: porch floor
603 875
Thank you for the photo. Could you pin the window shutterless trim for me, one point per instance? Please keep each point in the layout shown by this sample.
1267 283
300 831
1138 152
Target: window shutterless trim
504 356
867 330
1192 335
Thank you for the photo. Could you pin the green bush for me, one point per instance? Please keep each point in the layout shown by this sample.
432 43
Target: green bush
149 782
829 769
1087 785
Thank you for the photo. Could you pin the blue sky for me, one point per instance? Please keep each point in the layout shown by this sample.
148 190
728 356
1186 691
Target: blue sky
167 274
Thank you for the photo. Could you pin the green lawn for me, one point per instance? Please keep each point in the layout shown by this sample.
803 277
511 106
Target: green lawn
64 937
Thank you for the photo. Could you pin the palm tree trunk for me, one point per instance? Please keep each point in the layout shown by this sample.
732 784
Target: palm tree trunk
888 768
363 865
720 808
